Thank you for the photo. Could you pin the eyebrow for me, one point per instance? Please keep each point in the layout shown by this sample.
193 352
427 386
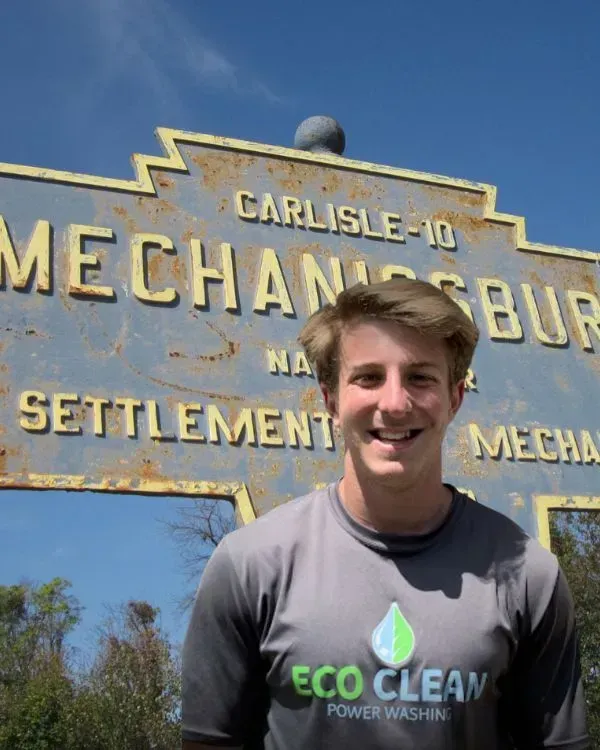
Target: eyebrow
413 365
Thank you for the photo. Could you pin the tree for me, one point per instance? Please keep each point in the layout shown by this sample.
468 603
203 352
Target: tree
199 527
576 542
131 696
35 685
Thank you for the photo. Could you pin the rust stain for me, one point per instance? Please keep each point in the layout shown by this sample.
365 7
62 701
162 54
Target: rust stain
222 169
232 349
164 181
437 193
250 261
154 266
155 208
7 453
123 214
292 177
470 465
187 235
469 225
308 399
179 269
359 191
331 182
448 259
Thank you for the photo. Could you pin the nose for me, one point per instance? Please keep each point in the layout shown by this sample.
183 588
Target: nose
394 398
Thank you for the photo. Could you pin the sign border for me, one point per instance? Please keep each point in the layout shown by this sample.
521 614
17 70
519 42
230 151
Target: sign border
169 139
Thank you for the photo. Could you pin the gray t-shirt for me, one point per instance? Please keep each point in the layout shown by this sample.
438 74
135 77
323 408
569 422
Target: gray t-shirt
311 631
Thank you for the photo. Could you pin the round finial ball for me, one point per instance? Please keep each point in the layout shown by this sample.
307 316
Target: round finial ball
320 133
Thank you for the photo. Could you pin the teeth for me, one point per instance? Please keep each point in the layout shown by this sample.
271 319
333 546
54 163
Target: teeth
393 435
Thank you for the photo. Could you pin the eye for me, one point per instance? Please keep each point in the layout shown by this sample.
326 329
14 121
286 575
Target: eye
366 379
423 377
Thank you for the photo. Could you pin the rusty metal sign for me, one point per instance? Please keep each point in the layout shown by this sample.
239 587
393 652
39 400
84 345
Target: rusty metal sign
148 326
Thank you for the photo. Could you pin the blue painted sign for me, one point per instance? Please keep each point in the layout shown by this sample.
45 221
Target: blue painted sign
148 334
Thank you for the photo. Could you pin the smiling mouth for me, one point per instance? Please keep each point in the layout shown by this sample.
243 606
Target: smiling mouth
395 437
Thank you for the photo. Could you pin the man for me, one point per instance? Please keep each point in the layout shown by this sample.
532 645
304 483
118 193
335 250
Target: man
387 610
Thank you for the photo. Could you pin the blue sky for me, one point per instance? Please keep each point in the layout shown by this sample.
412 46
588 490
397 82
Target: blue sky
501 93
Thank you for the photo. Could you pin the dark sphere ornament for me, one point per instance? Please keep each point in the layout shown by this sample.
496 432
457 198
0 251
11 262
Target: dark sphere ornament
320 134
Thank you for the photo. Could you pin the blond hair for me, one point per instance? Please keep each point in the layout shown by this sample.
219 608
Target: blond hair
408 302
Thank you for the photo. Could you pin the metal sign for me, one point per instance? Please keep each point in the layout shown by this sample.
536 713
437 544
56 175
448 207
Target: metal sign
148 326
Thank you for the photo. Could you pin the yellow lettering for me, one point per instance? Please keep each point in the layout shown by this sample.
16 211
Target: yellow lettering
298 428
200 275
311 218
301 365
444 280
240 205
269 213
583 320
130 407
316 283
327 427
333 219
187 423
560 337
471 380
391 272
365 224
31 404
36 254
349 220
522 452
99 413
361 271
499 447
566 442
140 244
504 310
278 361
292 212
539 435
61 415
77 234
390 227
268 432
154 426
243 424
271 289
590 451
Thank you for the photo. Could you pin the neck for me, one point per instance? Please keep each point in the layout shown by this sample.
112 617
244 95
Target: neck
415 509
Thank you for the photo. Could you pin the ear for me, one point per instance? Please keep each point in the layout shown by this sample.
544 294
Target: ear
330 400
457 394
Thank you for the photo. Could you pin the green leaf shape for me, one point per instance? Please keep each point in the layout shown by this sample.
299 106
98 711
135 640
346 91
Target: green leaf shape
403 636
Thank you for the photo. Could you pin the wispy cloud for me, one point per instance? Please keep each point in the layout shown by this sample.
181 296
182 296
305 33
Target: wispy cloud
150 44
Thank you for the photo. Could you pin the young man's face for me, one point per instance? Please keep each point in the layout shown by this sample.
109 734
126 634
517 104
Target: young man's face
393 403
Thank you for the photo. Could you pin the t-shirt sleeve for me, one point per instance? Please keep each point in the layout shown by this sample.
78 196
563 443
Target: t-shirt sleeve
222 683
545 696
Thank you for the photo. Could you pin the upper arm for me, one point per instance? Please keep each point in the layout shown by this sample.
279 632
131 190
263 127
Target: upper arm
222 677
544 698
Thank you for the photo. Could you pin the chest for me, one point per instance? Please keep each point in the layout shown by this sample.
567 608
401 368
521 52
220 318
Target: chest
388 628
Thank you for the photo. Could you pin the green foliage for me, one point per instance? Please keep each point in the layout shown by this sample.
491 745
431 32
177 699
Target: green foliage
129 697
576 542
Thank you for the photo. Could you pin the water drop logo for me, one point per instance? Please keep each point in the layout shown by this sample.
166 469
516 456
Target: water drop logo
393 639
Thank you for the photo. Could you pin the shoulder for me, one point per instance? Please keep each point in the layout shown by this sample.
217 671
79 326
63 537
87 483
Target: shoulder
519 562
273 539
